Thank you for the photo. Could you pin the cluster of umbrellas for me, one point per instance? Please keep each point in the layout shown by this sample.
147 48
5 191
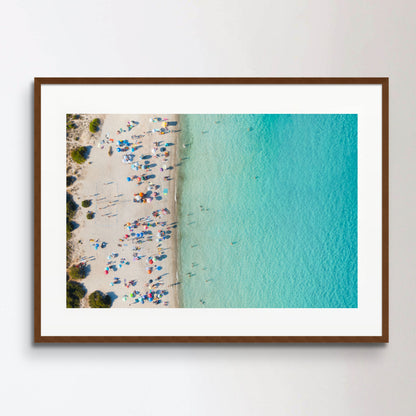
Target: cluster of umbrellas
152 296
124 145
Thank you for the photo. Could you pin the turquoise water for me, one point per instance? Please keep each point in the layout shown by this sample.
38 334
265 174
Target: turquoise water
268 211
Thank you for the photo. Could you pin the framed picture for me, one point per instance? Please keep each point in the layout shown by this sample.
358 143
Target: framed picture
211 210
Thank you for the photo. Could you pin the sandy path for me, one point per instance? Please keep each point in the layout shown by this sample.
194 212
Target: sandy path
104 182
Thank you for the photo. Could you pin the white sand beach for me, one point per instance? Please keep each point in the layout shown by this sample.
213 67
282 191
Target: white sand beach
136 241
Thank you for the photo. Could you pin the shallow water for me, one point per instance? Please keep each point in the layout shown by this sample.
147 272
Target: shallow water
268 211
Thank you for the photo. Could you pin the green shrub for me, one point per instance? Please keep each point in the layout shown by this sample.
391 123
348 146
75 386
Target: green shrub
71 206
79 155
71 125
95 125
98 299
70 226
70 180
77 272
74 293
86 203
68 254
71 209
90 215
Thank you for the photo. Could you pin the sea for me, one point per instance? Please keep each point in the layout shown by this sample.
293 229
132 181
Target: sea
267 211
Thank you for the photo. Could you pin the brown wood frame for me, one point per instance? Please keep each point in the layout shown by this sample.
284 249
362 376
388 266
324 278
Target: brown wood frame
384 338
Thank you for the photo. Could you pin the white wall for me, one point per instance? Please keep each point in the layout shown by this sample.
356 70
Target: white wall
204 38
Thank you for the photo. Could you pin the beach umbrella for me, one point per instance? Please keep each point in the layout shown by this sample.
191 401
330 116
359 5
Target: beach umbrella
141 194
119 266
126 236
128 224
106 272
128 179
150 261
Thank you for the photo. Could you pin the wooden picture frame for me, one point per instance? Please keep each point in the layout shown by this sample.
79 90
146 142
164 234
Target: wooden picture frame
41 292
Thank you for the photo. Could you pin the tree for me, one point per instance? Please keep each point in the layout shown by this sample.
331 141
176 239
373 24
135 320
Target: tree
74 293
79 155
86 203
95 125
71 206
71 209
77 272
98 299
70 180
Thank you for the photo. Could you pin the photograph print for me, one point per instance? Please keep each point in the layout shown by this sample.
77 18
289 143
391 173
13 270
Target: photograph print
211 210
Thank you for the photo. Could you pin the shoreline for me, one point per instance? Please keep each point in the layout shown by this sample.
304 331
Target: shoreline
103 178
179 183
